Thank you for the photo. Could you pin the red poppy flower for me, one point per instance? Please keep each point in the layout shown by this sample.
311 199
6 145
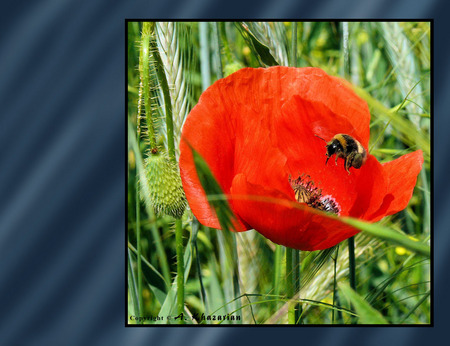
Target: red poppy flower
258 131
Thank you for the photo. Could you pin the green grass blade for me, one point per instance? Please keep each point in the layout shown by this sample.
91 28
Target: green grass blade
425 297
366 313
212 188
132 289
390 236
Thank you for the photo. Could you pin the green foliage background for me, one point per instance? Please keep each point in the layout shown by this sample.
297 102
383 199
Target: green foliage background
245 274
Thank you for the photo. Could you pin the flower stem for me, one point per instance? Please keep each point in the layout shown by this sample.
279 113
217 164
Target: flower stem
277 273
292 255
296 283
289 285
351 264
293 284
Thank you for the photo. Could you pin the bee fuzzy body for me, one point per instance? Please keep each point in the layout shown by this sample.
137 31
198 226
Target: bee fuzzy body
348 148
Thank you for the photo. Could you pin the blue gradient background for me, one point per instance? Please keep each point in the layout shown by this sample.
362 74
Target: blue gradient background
62 175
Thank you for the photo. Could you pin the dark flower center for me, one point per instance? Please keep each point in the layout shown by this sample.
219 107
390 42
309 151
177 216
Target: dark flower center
306 192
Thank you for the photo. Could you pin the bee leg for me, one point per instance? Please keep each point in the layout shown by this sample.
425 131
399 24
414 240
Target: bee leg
347 165
335 161
327 160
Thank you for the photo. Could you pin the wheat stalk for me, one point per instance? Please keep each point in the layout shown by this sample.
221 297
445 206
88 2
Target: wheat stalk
248 269
168 36
403 60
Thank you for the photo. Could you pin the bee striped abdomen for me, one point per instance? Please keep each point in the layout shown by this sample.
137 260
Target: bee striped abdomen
348 143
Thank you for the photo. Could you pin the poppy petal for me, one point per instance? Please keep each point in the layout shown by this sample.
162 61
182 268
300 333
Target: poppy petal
371 186
401 175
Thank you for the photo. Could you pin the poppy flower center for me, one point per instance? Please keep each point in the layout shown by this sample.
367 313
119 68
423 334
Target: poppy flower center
306 192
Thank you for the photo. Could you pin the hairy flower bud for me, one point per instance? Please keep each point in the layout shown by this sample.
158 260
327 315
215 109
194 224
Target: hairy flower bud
166 191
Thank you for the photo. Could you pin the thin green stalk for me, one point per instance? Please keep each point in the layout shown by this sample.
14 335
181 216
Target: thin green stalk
144 65
204 55
294 45
236 286
351 262
345 43
139 250
290 284
351 266
293 284
294 311
180 268
425 297
226 51
347 74
334 282
167 101
296 284
195 229
132 287
171 151
277 273
219 50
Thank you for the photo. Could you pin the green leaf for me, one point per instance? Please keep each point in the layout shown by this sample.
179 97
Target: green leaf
367 314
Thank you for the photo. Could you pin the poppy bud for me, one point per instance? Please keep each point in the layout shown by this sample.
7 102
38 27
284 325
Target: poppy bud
166 191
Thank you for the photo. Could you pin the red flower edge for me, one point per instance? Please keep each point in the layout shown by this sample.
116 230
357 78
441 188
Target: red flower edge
258 127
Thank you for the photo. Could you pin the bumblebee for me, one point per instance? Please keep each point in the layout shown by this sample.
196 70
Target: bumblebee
348 148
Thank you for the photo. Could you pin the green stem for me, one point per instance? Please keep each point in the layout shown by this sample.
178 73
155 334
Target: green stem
204 55
289 285
219 51
335 297
293 284
351 264
347 74
144 64
293 55
228 56
277 273
345 47
139 250
180 268
292 255
296 284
